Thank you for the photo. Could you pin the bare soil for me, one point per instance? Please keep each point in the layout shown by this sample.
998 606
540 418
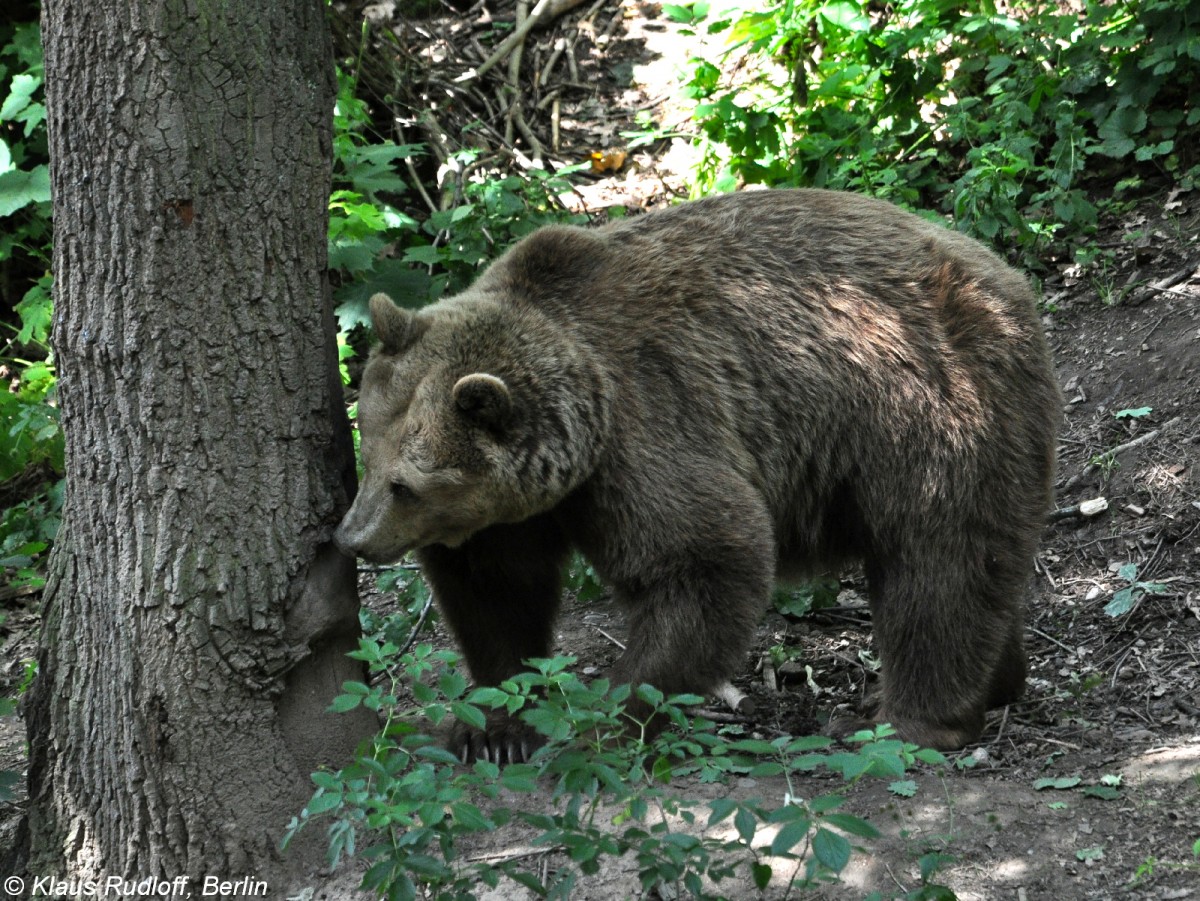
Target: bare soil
1112 700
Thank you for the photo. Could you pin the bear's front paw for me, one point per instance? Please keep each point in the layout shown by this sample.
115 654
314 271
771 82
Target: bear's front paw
920 732
843 726
505 739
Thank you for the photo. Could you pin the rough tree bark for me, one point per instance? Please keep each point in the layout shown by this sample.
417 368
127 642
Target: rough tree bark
196 618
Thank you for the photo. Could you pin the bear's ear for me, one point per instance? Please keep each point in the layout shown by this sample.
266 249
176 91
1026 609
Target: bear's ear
484 398
397 328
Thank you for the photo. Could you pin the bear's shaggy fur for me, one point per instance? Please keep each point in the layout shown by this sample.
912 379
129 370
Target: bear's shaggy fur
704 398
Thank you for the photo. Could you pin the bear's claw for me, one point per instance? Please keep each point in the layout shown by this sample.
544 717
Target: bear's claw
504 740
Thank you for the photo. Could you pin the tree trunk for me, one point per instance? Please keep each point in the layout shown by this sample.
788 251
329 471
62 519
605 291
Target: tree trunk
196 618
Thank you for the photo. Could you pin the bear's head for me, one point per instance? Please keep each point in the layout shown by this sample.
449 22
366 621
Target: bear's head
468 418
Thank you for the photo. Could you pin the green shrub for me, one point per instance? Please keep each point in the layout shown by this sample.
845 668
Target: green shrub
376 245
997 118
31 444
406 804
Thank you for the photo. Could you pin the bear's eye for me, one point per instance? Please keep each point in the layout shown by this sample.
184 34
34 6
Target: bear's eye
401 491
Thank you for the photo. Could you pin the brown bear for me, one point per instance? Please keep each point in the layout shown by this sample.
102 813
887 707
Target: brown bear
700 400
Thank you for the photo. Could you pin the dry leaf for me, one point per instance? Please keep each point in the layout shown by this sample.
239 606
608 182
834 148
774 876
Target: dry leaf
608 160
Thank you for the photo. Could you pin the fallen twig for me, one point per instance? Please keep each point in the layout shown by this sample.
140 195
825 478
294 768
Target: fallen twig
560 45
535 146
768 671
509 43
416 629
508 856
1186 707
619 644
1164 285
735 700
419 185
1119 449
1000 728
518 52
1053 640
1084 508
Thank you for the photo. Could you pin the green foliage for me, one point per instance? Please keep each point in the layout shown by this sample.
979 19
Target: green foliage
995 117
1107 789
9 779
1146 869
410 804
688 13
1080 684
28 422
26 531
31 443
375 245
582 580
928 866
1126 599
24 182
816 594
1135 413
24 169
414 600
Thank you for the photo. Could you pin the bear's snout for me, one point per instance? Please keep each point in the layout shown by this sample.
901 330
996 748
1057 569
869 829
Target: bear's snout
343 540
358 534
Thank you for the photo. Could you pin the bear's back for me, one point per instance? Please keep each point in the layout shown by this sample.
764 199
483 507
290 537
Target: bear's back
775 292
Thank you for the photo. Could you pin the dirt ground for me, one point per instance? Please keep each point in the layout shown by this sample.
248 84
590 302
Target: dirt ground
1113 701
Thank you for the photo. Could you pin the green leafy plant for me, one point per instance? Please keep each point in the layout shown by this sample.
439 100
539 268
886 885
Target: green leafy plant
582 580
8 706
1107 463
408 804
994 117
377 243
1125 599
1147 868
1104 282
1107 789
1134 413
31 444
1079 684
687 13
816 594
24 170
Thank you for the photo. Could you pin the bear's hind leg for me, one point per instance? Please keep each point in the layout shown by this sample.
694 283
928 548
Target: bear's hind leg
499 592
1008 679
950 643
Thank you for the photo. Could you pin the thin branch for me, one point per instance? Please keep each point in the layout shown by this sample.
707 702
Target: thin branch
416 630
507 46
1053 640
1164 285
1119 449
609 637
